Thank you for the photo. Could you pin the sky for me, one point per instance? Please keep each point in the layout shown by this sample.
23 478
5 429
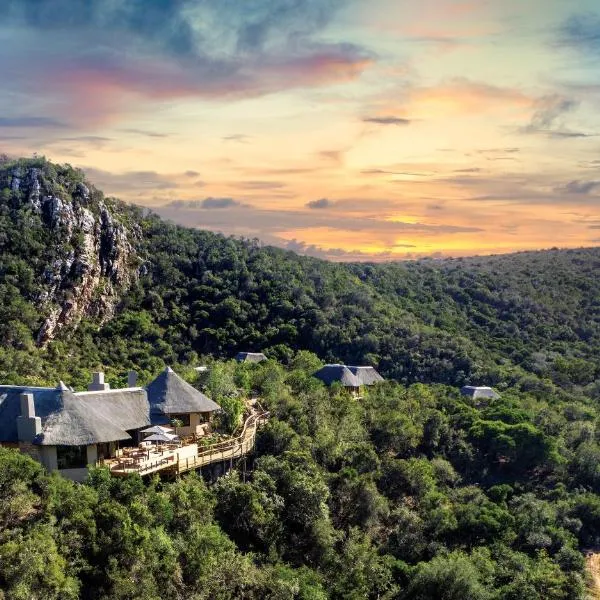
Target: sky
343 129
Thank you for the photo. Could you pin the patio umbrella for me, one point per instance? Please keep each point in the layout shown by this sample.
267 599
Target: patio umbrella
157 429
161 437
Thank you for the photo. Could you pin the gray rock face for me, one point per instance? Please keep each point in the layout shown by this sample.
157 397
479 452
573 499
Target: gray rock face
95 253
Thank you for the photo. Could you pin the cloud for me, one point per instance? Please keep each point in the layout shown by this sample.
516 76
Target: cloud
462 96
548 118
98 60
31 122
268 222
387 120
581 32
579 187
511 150
384 172
237 137
130 181
337 254
320 203
145 133
548 109
208 203
259 185
336 156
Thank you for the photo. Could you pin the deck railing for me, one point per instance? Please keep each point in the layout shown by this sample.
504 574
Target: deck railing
229 449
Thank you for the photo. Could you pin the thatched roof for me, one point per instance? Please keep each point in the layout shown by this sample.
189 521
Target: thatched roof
46 401
254 357
169 394
348 376
75 419
337 374
474 391
366 375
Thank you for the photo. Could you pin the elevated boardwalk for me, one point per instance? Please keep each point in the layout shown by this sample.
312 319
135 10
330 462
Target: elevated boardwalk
178 460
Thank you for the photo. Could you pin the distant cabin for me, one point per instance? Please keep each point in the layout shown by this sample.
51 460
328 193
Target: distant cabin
170 397
352 378
67 431
479 392
251 357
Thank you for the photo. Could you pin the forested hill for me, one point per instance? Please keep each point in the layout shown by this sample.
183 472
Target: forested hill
87 281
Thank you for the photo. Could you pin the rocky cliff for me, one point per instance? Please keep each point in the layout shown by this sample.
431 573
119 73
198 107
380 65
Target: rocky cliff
84 255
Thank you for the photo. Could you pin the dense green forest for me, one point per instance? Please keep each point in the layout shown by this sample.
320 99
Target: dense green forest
413 492
410 493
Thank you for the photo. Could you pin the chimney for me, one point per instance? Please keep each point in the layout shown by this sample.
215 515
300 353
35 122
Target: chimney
98 384
131 379
28 425
27 406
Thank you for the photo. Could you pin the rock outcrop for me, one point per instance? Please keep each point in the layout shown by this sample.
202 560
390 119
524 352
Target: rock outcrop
92 252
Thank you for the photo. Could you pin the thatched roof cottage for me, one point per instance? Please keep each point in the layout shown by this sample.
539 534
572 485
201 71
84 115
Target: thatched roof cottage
67 430
251 357
171 398
350 377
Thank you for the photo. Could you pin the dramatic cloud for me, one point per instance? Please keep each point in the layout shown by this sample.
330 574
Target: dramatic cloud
387 120
170 50
320 203
319 123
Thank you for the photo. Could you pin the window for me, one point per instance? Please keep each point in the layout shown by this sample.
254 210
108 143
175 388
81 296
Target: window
71 457
184 418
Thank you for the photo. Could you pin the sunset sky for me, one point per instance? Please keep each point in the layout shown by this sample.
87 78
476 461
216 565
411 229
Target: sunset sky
354 129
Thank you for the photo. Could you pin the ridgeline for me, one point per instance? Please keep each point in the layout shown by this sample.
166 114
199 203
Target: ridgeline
88 282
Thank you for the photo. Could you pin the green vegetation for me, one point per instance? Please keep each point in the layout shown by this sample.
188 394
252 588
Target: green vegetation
530 320
413 492
410 493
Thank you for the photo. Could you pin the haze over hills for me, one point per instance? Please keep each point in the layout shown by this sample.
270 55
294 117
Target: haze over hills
101 283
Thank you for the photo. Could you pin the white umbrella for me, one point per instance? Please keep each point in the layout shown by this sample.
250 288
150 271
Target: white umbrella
157 429
161 437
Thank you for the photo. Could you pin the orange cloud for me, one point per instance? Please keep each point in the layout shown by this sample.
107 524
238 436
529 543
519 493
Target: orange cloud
458 96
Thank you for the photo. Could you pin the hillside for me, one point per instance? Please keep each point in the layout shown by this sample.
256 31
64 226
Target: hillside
413 492
87 281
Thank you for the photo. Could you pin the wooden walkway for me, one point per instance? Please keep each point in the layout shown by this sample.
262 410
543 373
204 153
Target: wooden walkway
227 450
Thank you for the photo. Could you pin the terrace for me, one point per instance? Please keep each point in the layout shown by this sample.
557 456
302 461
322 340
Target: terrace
149 459
178 457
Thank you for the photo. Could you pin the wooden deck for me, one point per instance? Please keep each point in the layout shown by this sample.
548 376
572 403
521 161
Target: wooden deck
191 457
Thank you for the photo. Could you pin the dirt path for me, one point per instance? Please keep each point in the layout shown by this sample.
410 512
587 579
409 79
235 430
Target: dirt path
592 562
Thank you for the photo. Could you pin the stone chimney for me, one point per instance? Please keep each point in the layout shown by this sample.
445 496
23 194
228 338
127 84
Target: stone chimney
131 379
98 384
28 425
